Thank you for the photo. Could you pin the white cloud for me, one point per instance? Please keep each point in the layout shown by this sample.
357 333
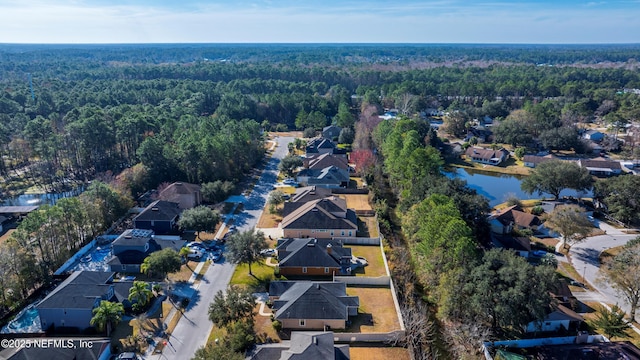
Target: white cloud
69 21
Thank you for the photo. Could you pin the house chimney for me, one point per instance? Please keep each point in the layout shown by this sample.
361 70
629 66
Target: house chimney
329 249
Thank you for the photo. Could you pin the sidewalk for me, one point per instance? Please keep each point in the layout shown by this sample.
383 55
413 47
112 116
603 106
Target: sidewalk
149 354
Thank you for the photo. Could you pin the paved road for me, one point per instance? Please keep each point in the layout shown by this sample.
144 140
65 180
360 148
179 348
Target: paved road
193 329
585 258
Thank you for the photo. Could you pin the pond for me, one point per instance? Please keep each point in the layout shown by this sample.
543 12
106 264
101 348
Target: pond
40 199
498 187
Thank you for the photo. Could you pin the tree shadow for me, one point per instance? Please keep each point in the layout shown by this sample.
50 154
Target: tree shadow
589 256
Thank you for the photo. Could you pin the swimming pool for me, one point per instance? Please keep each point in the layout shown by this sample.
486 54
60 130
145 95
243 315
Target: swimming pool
95 260
27 321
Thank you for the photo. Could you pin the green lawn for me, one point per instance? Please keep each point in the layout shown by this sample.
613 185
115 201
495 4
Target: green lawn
262 274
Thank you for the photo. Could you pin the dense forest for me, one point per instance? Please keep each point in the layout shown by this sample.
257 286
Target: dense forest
141 115
69 113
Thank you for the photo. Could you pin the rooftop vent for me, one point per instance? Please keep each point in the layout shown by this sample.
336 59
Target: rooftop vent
154 209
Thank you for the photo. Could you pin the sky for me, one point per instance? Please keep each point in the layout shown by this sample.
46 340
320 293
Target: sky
320 21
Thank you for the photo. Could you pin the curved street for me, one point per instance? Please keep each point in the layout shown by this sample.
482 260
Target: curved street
585 257
194 327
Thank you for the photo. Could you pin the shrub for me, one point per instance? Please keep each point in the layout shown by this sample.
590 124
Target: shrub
537 210
277 325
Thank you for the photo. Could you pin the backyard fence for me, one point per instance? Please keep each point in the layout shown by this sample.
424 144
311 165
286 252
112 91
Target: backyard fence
384 338
363 280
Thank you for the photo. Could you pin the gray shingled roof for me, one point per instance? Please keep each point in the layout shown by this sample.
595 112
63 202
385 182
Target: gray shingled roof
312 253
314 345
309 193
133 237
317 214
78 291
159 210
99 346
315 300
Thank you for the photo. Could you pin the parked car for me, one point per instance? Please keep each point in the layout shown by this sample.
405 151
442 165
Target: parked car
267 252
127 356
196 245
538 253
195 255
215 256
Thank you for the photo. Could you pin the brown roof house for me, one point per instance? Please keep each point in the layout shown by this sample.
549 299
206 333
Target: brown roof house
533 160
601 166
504 221
487 156
185 194
313 257
305 305
321 161
324 218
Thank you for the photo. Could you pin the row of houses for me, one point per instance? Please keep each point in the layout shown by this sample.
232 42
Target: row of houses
70 305
599 166
325 165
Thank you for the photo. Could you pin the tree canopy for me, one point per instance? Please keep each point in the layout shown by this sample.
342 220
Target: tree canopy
571 222
553 176
161 262
244 247
622 271
200 218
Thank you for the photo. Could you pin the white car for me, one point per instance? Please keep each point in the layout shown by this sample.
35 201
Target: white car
195 255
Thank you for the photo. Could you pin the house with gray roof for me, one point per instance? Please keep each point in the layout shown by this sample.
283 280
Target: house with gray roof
72 302
329 177
324 218
305 345
312 305
160 216
100 350
309 193
134 245
331 132
593 135
320 145
313 257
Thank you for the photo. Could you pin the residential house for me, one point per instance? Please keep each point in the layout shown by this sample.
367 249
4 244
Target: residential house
481 133
323 218
305 345
134 245
331 132
601 166
320 145
99 349
313 257
309 193
321 161
160 216
504 221
487 156
329 177
305 305
521 245
72 302
185 194
560 318
533 160
593 135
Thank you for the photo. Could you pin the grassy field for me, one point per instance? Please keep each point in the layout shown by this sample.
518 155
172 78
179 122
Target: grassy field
357 201
373 254
377 312
269 220
632 336
379 353
511 166
367 226
262 274
186 271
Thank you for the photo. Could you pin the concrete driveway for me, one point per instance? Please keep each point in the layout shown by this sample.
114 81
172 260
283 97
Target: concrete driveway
194 327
